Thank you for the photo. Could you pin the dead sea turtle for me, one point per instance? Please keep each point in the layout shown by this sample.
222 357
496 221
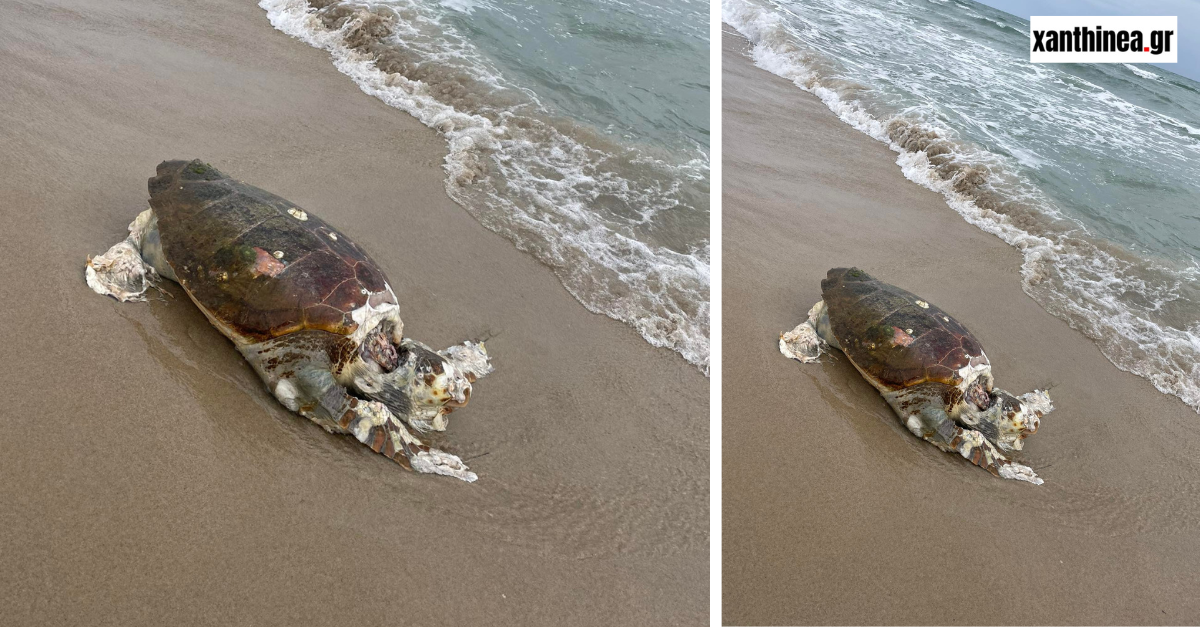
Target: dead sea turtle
929 367
310 311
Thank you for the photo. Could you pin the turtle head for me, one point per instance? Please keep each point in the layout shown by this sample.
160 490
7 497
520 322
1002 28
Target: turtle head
1006 419
420 385
1014 421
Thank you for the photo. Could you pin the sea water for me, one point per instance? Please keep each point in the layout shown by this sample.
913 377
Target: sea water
577 129
1092 171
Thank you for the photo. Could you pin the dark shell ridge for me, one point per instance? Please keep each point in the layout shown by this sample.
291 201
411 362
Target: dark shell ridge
893 335
258 263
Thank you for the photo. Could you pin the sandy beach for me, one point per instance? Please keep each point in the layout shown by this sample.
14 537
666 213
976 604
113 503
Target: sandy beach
833 512
148 475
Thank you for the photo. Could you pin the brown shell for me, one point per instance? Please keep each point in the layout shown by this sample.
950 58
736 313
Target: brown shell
221 236
891 337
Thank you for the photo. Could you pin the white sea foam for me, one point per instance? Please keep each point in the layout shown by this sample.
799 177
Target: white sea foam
1115 297
578 201
1142 73
462 6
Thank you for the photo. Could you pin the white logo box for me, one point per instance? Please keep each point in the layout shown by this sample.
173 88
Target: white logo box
1144 24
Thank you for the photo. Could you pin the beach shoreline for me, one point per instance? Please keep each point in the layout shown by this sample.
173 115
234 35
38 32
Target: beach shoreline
564 190
858 522
151 477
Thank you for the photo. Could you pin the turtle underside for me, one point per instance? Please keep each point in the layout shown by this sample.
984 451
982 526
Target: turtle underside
256 262
894 336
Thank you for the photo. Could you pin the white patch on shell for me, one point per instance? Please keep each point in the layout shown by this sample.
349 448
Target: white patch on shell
278 254
299 214
333 236
368 316
977 365
923 305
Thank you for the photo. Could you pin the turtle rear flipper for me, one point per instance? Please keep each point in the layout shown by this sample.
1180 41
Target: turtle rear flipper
810 338
801 343
121 272
132 265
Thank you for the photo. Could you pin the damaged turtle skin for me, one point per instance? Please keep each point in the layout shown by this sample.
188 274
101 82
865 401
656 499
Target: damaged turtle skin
310 311
928 366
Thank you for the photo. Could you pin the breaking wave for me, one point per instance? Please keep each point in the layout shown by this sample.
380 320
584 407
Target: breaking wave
623 223
1141 307
1142 73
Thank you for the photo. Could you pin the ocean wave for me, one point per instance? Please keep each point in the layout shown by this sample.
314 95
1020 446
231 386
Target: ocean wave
1133 306
1142 73
594 209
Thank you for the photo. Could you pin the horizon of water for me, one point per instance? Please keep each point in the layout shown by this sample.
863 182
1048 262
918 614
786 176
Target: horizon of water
1091 170
578 130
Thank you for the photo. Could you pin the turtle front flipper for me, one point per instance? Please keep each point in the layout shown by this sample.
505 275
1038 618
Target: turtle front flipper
371 423
933 425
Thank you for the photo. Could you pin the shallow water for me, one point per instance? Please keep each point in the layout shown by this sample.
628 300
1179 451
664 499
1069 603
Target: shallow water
578 130
1093 171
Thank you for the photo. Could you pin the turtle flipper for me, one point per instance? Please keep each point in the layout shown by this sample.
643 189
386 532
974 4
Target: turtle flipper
979 451
933 425
806 342
373 424
121 272
132 265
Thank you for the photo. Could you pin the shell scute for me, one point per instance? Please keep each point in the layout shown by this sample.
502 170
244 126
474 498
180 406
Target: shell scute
199 171
909 316
344 295
238 218
882 301
209 193
285 234
369 276
970 345
328 317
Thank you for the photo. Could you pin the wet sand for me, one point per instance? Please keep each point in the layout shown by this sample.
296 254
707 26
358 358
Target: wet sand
833 512
149 477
